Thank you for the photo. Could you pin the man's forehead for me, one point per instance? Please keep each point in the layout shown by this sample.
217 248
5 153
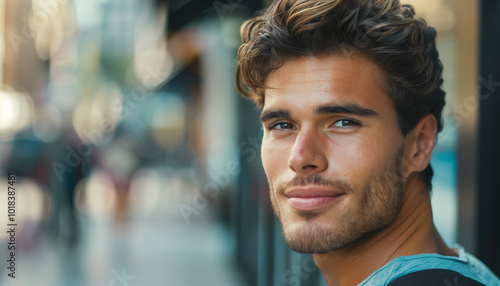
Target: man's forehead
312 82
323 69
325 78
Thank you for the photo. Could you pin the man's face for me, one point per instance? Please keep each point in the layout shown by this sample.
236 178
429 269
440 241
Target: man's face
332 151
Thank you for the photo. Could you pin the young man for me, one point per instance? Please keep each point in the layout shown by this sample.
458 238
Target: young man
351 100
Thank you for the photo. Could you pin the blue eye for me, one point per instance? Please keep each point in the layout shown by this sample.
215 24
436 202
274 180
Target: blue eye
345 123
281 126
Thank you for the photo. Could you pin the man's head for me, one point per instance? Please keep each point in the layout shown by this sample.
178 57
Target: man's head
351 99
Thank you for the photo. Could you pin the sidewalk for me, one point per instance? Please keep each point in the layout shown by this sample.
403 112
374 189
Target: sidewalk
146 253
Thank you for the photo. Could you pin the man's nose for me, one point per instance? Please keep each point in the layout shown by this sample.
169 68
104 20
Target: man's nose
308 153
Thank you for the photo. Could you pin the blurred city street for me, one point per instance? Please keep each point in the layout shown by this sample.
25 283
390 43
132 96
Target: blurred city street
113 144
145 252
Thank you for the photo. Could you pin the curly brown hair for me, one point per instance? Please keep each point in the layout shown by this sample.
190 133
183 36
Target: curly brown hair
386 31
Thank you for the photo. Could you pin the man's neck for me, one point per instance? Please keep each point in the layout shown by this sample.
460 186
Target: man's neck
412 232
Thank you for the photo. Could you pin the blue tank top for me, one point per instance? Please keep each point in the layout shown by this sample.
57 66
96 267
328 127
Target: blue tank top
465 264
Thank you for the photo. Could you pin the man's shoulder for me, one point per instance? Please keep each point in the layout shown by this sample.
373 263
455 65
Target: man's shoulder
434 269
435 277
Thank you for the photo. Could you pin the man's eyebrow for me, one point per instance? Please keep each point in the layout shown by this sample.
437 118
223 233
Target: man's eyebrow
271 114
353 109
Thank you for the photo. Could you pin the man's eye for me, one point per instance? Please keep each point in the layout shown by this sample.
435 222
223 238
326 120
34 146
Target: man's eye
281 126
345 123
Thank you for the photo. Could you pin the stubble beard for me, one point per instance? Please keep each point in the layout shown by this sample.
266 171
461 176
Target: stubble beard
377 206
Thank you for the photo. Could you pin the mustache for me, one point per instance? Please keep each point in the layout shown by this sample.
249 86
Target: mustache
317 180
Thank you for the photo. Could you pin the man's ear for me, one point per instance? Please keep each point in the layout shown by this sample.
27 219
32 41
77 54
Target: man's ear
419 144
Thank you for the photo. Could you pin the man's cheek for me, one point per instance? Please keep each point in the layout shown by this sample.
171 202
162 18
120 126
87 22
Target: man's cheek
267 169
270 162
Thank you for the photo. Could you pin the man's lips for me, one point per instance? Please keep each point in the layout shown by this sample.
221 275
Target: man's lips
312 198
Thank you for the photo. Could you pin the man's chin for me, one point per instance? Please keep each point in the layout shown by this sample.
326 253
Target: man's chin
317 238
308 250
311 237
